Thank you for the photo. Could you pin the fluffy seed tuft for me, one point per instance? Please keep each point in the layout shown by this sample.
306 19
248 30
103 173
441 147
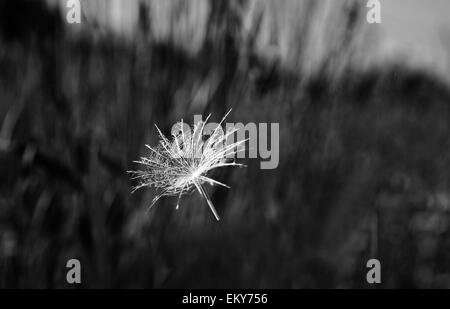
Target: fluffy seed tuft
179 165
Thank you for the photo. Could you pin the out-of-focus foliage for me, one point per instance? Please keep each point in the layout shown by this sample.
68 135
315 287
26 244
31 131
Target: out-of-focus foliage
300 35
364 161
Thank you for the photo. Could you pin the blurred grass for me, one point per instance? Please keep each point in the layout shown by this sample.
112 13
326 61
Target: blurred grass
364 171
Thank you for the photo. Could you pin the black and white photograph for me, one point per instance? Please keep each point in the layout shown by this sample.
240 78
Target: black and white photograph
224 148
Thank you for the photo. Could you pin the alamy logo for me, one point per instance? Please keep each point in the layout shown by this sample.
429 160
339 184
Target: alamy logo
262 143
374 14
74 273
74 11
374 274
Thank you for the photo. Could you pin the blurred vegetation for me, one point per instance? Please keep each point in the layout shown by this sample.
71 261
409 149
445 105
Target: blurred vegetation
364 168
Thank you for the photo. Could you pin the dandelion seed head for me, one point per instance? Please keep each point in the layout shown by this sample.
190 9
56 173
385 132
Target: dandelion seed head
180 164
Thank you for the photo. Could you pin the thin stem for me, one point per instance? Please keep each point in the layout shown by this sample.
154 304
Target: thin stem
208 200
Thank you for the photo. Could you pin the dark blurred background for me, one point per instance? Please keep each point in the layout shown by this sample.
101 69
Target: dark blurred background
364 166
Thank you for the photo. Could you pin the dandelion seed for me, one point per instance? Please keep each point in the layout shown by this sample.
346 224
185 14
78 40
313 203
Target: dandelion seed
180 165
